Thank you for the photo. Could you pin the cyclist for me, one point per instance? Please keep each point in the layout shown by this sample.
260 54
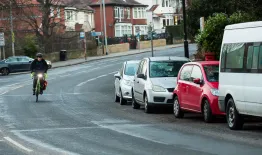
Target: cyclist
39 65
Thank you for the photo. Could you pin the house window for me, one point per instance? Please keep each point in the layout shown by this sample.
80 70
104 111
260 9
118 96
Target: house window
123 29
51 11
119 12
139 13
166 3
168 20
69 15
143 29
58 12
128 12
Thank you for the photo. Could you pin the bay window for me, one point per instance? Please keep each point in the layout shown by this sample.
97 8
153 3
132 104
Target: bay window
143 29
139 13
122 29
128 13
69 15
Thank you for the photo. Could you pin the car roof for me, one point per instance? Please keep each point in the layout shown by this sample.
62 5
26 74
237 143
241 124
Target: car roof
132 61
168 58
203 63
244 25
18 57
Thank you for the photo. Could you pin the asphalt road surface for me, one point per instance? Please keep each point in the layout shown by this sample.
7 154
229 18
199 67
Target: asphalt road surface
77 115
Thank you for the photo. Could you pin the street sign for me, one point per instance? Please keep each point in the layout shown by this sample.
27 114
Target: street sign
95 34
82 35
2 39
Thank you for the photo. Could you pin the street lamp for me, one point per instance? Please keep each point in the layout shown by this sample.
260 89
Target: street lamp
185 30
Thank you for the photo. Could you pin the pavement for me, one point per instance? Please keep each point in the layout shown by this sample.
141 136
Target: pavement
112 55
76 118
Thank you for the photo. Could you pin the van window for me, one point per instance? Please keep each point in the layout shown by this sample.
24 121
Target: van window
252 56
235 55
260 58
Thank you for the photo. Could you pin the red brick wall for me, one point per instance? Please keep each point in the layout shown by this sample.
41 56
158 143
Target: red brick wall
109 20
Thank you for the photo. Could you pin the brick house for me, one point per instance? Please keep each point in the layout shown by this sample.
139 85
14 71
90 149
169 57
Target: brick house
123 17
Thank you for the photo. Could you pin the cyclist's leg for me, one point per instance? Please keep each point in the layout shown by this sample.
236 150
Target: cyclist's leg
34 85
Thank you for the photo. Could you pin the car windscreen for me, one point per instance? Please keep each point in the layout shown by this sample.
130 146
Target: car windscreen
130 69
165 68
212 72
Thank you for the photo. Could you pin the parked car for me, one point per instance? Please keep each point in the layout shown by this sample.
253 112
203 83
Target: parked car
17 64
155 81
197 90
124 80
240 85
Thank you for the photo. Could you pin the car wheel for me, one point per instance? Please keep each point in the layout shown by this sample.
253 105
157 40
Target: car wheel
207 112
135 105
234 119
122 100
117 98
5 71
177 109
49 66
148 108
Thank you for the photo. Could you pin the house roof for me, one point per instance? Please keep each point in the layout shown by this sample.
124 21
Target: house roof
116 2
153 8
79 4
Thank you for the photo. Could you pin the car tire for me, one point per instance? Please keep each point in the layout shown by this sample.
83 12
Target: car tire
117 98
148 108
122 100
234 119
49 66
177 109
207 112
135 105
5 71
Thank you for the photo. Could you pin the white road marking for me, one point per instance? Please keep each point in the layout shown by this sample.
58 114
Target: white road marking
65 75
17 144
42 144
53 129
82 83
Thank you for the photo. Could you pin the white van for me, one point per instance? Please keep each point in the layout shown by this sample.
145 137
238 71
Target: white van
240 77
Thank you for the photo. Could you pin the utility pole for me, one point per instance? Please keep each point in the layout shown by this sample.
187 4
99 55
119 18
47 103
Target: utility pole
105 34
102 31
152 45
185 30
12 29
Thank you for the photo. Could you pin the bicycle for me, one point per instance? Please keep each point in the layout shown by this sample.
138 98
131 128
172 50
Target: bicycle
40 76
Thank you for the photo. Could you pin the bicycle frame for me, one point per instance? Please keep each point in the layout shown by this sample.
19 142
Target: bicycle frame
38 85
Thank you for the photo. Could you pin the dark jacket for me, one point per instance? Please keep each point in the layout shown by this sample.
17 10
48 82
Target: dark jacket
39 66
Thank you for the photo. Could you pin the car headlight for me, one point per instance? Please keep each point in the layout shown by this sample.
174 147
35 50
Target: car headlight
215 92
158 88
127 82
40 75
49 62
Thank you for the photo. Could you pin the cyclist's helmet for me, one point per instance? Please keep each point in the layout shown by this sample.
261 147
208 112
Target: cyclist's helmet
39 55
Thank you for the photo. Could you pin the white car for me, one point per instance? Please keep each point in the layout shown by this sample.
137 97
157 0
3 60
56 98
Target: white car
124 80
155 81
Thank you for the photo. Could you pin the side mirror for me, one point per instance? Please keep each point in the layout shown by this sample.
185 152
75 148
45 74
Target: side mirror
117 75
197 81
141 76
29 61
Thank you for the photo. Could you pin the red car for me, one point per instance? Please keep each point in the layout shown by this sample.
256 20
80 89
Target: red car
197 90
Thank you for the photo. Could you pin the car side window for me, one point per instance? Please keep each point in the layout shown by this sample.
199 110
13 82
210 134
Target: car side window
121 71
144 67
139 70
196 73
11 60
186 72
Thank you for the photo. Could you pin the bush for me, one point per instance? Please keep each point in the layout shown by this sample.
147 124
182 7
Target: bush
210 39
30 46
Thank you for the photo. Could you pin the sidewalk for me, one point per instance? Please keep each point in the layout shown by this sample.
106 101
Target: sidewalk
113 55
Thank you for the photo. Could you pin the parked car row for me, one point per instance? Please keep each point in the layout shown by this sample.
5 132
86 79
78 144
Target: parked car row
230 87
17 64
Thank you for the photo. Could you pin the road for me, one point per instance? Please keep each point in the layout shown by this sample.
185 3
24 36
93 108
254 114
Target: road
78 115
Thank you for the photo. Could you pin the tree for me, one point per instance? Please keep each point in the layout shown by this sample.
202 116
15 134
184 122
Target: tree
206 8
211 38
